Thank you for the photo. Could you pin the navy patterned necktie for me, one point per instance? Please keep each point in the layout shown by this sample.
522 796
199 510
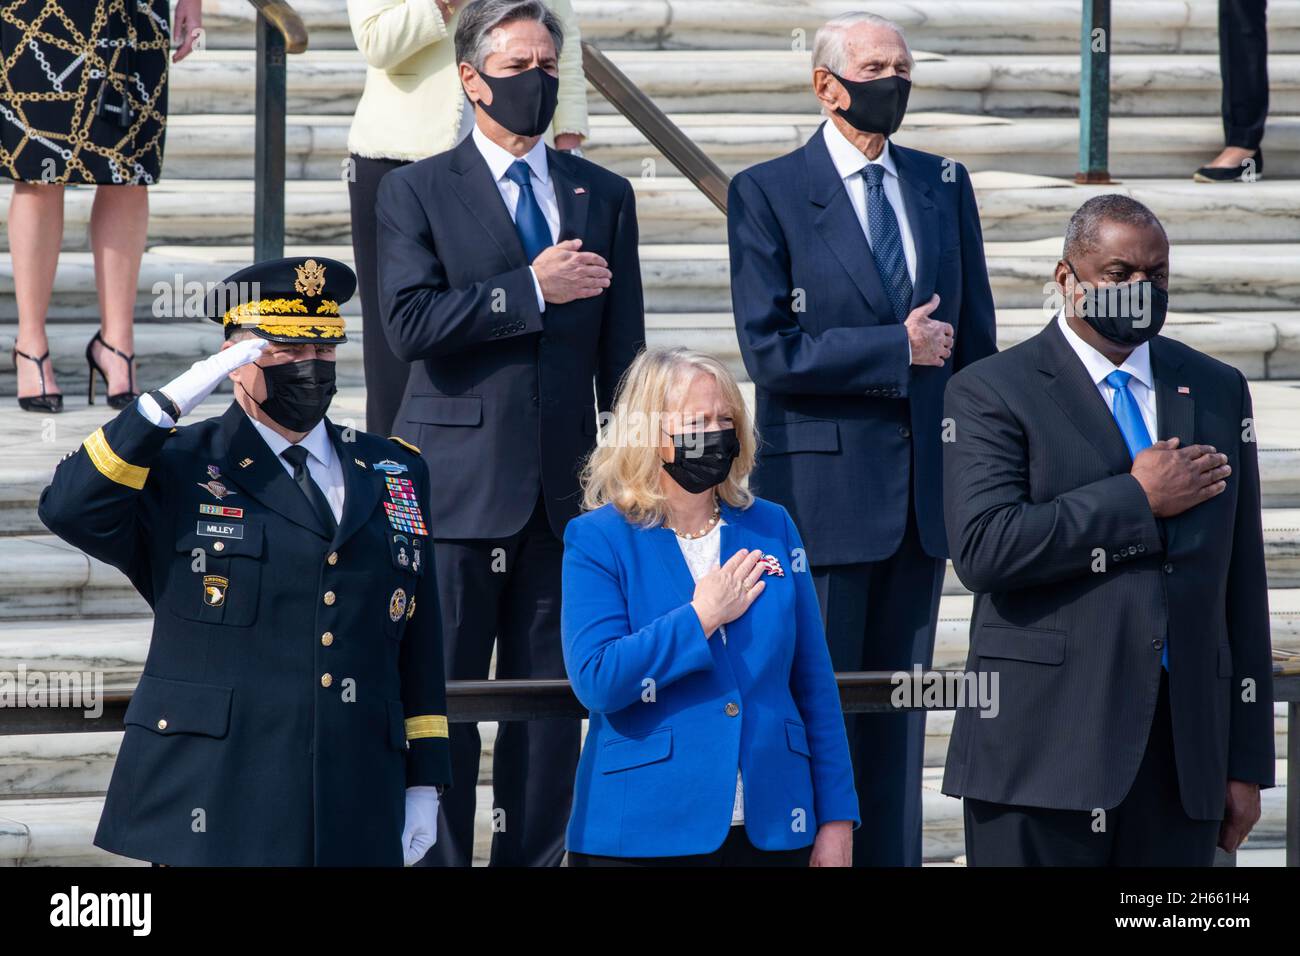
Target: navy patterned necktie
887 243
530 222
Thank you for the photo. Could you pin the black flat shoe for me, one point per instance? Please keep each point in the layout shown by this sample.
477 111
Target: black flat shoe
121 399
1250 170
44 402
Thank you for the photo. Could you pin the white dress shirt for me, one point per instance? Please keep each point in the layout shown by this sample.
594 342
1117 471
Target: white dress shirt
849 163
702 556
499 160
322 463
1142 385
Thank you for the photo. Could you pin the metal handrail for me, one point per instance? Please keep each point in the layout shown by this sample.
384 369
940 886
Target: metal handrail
861 692
285 19
280 31
663 134
1094 93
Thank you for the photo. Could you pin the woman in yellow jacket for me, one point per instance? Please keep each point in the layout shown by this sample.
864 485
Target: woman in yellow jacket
413 107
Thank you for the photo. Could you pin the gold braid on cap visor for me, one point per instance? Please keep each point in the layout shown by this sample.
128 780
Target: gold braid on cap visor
288 317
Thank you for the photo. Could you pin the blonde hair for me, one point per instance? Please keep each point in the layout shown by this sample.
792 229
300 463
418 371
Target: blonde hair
624 469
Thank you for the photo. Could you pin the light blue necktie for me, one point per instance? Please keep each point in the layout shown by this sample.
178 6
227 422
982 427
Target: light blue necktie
1131 425
530 223
887 243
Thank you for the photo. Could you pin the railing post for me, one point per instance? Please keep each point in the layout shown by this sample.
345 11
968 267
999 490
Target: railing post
1293 783
268 163
1094 93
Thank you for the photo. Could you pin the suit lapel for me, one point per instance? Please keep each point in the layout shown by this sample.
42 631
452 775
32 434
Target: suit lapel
572 195
1175 411
481 196
664 542
250 464
920 213
362 488
840 227
1077 395
1175 414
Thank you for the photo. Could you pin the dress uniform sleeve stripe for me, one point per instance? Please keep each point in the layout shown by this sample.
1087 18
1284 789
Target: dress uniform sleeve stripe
110 465
429 726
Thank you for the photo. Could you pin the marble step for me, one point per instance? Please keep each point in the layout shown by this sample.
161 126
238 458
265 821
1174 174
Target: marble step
986 26
1013 207
57 831
220 145
31 444
777 81
1261 344
694 277
114 648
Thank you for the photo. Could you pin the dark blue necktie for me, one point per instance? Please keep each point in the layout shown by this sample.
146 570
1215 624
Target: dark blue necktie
887 243
1134 429
530 223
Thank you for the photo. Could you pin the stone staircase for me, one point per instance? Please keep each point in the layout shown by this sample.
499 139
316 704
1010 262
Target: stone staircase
995 88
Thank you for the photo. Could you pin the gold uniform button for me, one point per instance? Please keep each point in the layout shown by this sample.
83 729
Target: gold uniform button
731 709
326 680
218 546
162 724
329 598
327 638
333 558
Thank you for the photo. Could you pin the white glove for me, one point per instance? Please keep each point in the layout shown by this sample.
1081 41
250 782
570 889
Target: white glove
191 387
421 830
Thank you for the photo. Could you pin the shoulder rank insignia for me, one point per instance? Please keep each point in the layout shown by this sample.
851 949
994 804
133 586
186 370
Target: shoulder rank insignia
405 444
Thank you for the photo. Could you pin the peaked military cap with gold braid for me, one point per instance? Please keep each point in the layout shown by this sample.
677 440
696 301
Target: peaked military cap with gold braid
288 300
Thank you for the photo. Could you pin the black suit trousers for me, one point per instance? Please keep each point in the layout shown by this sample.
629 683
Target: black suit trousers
880 615
385 372
506 591
1148 828
1243 62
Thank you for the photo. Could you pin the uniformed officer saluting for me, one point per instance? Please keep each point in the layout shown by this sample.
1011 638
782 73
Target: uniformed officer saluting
292 707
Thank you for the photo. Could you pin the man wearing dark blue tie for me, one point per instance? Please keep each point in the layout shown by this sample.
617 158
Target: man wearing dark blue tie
510 279
1103 503
859 285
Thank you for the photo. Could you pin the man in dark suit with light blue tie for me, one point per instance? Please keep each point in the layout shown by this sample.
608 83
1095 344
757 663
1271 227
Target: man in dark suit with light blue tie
1103 503
859 285
510 279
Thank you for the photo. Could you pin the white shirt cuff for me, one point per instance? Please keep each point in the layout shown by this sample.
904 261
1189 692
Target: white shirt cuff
153 413
541 302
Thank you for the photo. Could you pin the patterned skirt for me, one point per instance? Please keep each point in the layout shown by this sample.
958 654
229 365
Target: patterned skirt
83 90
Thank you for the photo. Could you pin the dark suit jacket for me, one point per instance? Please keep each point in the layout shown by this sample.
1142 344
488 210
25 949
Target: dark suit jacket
1078 585
231 714
500 395
845 420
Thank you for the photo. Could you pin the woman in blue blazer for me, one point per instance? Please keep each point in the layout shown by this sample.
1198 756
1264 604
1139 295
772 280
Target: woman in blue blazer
692 633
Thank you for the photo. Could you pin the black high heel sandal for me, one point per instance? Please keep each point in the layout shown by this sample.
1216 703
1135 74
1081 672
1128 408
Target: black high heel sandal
121 399
43 402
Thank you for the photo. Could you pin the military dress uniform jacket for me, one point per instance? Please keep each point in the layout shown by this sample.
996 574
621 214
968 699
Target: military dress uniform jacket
294 684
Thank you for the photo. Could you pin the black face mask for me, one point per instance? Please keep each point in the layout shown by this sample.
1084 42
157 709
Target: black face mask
1127 314
523 103
702 459
876 106
298 393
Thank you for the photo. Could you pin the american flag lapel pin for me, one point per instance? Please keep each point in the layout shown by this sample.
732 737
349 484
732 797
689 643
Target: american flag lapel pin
1184 390
773 565
580 190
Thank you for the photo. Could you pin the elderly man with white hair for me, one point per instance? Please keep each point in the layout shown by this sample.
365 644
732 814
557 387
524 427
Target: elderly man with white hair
859 286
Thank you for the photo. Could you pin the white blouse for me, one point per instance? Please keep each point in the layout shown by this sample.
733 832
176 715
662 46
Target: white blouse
702 556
